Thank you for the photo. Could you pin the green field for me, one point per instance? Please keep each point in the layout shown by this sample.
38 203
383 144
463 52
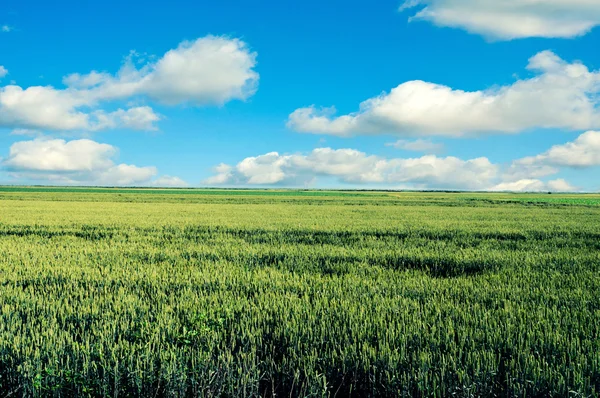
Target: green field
125 292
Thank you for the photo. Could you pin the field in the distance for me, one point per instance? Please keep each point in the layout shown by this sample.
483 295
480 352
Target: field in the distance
124 292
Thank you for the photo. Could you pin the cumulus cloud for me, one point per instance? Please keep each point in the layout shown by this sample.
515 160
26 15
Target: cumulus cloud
511 19
524 185
41 107
212 70
59 155
523 169
208 71
3 71
169 181
583 152
566 95
125 174
561 185
352 166
426 146
50 109
82 161
224 174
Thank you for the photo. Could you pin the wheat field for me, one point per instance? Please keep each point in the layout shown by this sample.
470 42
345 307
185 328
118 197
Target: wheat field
239 293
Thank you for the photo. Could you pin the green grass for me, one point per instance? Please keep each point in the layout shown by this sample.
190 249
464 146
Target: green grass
111 292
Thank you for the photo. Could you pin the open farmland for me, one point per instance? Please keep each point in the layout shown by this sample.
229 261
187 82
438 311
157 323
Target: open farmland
108 292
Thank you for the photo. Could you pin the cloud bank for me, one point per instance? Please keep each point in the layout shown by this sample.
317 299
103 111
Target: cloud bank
354 167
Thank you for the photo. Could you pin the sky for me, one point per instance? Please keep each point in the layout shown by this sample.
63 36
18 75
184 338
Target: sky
394 94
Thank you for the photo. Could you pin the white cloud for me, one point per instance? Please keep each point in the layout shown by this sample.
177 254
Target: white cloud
224 174
210 70
264 169
82 161
533 185
3 71
584 152
46 108
28 132
169 181
352 166
560 95
560 185
524 185
138 118
125 174
6 28
59 155
426 146
449 172
207 71
511 19
522 169
92 79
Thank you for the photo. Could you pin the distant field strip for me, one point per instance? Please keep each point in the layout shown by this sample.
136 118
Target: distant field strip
248 196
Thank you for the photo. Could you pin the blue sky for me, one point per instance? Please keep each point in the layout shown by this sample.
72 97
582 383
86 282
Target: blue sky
461 94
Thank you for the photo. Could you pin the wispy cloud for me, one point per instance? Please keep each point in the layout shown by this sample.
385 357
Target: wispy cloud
425 146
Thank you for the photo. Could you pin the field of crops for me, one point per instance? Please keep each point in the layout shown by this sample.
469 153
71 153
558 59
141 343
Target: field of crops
108 292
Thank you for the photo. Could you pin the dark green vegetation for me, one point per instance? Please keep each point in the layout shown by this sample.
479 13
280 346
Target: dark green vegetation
292 293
